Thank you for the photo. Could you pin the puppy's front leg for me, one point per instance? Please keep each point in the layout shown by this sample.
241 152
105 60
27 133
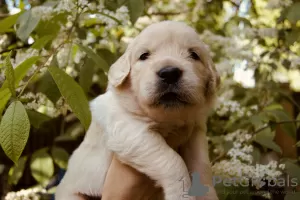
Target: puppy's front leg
148 152
195 154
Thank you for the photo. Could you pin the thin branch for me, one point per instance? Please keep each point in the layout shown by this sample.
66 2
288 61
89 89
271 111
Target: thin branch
281 122
219 157
39 68
168 13
235 4
55 50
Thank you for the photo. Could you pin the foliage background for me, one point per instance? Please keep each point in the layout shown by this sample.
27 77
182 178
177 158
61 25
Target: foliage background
54 56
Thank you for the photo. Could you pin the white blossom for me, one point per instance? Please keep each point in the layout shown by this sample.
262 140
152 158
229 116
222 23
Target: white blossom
25 194
23 55
239 164
40 103
43 12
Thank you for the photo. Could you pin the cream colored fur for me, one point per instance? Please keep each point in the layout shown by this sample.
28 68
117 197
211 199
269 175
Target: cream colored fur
165 144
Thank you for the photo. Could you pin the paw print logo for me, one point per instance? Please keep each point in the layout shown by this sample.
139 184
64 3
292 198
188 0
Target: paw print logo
197 189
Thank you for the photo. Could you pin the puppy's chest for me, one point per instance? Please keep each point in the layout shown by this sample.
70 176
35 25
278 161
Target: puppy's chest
174 135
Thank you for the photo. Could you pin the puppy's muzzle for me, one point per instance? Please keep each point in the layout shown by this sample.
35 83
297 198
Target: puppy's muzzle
169 74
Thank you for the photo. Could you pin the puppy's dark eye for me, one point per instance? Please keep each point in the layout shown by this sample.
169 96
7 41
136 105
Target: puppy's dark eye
144 56
194 55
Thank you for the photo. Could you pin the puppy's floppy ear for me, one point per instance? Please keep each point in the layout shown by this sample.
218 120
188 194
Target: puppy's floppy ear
213 79
119 71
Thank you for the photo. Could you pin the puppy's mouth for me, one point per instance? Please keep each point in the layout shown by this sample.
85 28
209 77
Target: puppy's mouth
171 100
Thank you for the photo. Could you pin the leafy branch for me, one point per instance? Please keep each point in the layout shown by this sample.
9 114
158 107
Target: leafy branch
276 123
223 154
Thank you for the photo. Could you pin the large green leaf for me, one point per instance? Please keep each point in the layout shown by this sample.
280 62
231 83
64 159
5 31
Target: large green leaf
274 106
27 23
10 75
42 42
100 62
19 73
112 4
73 94
51 27
136 8
60 157
86 74
8 22
257 121
21 70
41 166
110 57
47 86
37 119
14 130
293 14
265 138
282 116
16 171
4 98
292 169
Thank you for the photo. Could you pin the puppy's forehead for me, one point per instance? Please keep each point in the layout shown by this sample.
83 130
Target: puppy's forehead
168 32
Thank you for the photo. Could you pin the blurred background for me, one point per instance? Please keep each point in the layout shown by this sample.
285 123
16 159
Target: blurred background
54 58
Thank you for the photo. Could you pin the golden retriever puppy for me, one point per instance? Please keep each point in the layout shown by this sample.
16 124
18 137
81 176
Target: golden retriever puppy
152 116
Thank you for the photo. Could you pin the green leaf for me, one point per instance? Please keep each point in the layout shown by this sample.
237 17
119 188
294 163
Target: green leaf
51 27
14 130
136 8
27 23
60 157
281 116
73 94
110 57
257 121
265 138
37 119
293 14
86 75
47 86
41 166
292 169
292 37
298 119
4 98
99 62
111 4
8 22
274 107
16 171
292 196
42 42
21 71
256 155
10 75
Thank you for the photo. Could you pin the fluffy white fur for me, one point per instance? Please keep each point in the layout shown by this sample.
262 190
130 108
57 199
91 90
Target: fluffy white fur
163 143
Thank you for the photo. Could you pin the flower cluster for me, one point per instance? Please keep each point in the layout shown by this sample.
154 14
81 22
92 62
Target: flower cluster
231 47
40 103
25 194
226 107
239 162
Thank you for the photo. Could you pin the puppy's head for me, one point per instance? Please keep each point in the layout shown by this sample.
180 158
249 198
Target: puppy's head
166 72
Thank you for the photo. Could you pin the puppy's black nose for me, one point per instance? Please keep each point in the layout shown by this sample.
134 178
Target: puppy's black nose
169 75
